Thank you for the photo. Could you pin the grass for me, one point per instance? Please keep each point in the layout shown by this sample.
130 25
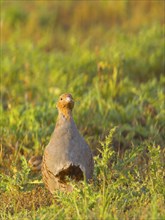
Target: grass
117 78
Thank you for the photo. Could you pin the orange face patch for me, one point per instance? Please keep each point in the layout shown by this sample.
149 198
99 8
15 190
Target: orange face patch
65 103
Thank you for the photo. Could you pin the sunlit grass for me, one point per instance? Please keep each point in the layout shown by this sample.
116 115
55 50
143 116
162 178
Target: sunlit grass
116 76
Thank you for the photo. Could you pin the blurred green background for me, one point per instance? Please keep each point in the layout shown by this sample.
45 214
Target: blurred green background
110 56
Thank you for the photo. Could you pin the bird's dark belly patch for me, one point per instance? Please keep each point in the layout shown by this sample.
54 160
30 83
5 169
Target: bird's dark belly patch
72 172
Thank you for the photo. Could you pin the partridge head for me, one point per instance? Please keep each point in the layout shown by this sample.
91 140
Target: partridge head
35 163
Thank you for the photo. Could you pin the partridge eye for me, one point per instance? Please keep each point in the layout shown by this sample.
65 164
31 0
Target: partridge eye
61 98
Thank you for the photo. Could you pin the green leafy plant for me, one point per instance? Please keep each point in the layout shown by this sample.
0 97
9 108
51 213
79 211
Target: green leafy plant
17 178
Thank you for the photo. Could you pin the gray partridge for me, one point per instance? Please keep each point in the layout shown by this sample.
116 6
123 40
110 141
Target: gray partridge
67 154
35 163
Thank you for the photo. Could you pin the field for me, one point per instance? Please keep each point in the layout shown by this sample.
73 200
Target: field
110 56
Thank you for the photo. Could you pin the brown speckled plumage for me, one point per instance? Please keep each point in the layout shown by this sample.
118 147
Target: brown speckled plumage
67 154
35 163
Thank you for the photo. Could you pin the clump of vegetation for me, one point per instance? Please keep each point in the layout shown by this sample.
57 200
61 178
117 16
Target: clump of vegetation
129 187
113 64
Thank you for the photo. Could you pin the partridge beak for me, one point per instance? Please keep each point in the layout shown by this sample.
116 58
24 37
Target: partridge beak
69 99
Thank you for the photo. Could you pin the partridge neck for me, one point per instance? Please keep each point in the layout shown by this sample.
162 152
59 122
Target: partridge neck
65 113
